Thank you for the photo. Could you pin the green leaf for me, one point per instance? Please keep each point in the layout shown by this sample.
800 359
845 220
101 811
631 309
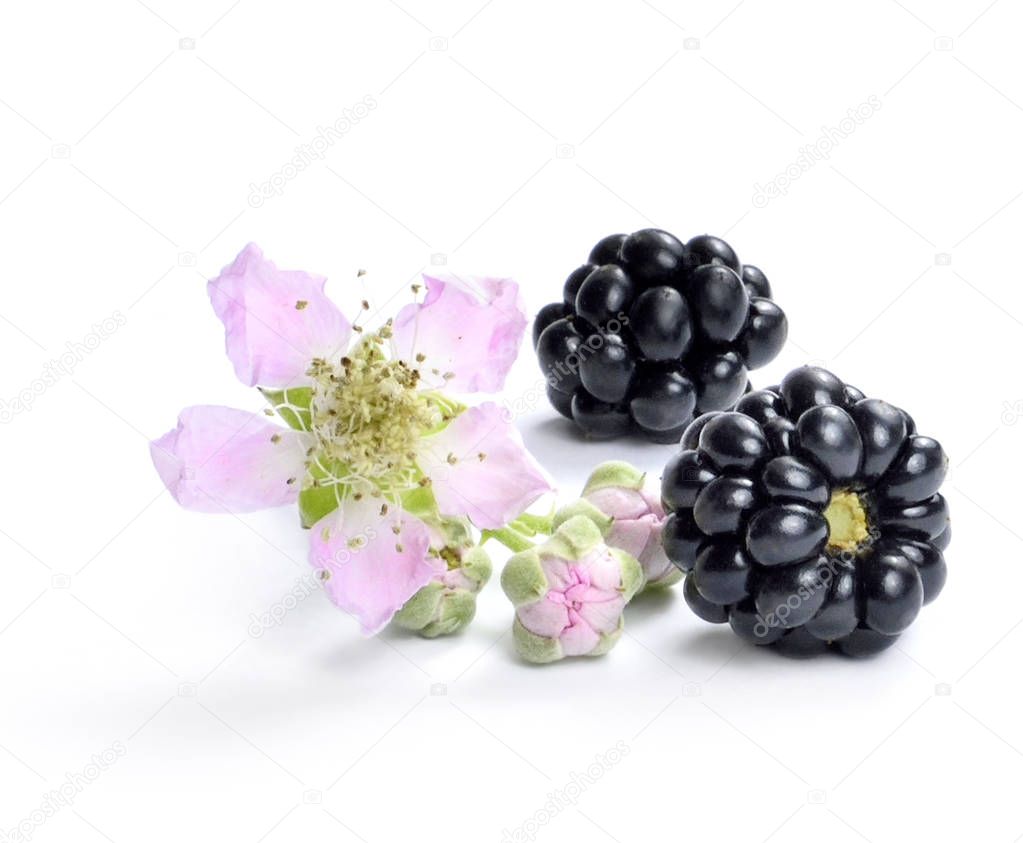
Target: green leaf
292 405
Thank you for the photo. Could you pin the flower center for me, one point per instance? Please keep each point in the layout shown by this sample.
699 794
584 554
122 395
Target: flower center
847 521
368 414
573 596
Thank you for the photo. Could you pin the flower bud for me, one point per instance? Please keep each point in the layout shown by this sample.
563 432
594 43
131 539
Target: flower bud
447 604
628 511
569 593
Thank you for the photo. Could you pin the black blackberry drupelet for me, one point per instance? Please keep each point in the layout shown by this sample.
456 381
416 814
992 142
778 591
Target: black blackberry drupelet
652 331
809 518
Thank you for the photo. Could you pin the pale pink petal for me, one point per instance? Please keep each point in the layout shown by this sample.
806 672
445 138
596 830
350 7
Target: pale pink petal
604 614
579 639
655 563
470 329
219 458
373 570
557 572
619 502
479 467
651 493
633 536
602 569
276 321
545 617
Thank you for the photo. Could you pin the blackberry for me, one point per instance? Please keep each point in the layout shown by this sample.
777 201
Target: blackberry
652 331
808 518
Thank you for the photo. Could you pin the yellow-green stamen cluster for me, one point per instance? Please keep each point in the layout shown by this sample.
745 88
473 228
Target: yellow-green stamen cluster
368 414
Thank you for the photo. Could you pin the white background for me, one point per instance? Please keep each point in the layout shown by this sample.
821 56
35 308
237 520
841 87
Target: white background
507 138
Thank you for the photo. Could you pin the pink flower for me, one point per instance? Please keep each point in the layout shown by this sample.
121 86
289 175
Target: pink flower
373 454
569 593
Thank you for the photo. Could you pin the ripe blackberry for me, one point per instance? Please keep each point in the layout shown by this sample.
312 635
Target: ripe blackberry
652 331
809 517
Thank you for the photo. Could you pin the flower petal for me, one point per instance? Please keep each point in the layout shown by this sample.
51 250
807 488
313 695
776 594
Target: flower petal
219 458
579 639
604 614
468 328
373 570
557 572
544 617
276 321
635 536
603 570
619 503
479 468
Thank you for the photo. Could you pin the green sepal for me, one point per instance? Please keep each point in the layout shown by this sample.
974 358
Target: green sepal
534 648
608 640
448 406
292 405
575 538
476 565
586 509
421 607
316 502
457 609
633 578
456 531
421 503
523 578
615 473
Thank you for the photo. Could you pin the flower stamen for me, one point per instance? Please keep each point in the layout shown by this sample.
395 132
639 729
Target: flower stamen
368 413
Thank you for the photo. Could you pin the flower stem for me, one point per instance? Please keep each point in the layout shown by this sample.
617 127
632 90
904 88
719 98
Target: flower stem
535 523
510 537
